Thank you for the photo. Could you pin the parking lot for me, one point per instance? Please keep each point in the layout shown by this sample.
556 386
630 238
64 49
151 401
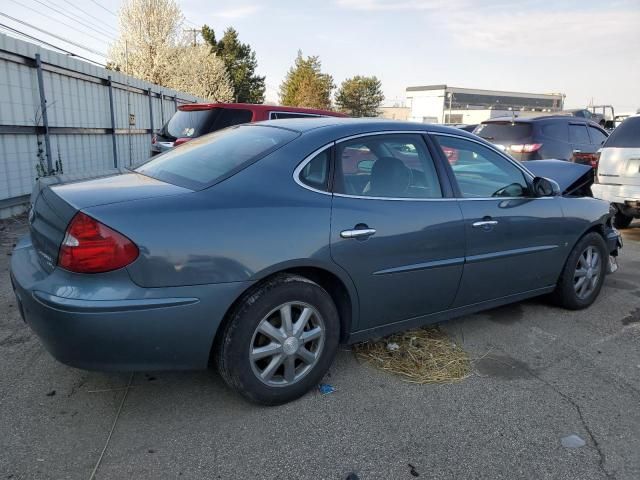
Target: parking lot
540 374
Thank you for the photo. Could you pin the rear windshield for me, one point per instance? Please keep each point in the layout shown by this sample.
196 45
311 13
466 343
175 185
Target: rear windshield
504 131
626 135
212 158
194 123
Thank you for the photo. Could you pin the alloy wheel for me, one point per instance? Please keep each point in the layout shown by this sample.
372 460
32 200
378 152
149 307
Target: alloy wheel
587 273
287 344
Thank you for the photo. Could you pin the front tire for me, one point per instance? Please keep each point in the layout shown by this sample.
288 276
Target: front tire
620 220
583 274
280 340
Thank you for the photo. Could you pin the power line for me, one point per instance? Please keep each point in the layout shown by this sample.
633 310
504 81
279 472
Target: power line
79 20
95 52
87 14
104 8
98 26
63 23
44 42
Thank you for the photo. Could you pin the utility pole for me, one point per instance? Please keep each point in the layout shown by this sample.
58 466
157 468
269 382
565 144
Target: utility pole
195 32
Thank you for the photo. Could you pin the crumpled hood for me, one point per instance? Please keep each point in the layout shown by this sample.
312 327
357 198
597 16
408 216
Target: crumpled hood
570 176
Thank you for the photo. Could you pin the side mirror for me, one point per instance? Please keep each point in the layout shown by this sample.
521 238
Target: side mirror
545 187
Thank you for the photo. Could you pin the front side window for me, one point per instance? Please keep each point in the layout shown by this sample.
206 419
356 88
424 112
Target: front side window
482 173
206 160
388 166
579 134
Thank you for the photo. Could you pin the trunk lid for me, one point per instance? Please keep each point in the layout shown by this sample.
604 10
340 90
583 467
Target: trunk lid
54 205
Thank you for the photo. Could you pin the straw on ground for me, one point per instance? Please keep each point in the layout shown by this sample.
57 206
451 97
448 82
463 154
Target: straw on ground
425 355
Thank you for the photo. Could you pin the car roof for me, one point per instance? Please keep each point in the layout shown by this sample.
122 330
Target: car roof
360 125
255 107
542 118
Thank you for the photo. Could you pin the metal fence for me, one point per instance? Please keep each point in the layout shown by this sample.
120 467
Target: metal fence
56 109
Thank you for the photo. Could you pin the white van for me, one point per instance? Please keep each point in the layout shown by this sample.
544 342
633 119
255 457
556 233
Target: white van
618 171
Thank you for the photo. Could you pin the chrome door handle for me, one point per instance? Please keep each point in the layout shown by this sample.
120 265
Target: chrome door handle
359 233
484 223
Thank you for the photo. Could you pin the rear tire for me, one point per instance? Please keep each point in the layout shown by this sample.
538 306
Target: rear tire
620 220
280 340
583 274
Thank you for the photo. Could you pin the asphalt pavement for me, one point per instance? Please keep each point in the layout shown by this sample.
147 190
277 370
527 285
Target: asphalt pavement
540 374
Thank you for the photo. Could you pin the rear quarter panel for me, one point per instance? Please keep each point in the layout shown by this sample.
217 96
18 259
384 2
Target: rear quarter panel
252 224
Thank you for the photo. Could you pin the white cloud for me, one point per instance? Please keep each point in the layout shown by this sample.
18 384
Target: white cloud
239 12
546 33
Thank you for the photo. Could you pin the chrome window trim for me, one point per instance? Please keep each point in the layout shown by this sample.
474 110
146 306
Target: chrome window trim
311 156
301 165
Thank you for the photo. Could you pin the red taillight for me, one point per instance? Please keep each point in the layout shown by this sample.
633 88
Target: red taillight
595 160
525 148
154 139
180 141
91 247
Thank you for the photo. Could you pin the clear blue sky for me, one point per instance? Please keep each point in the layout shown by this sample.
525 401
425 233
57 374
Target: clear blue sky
585 49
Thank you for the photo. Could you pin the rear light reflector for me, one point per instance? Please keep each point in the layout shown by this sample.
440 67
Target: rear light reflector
525 148
180 141
91 247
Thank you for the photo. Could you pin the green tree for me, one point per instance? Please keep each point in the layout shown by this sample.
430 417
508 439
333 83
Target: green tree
306 86
241 64
360 96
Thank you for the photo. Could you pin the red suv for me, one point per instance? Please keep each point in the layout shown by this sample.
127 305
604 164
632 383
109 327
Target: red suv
195 119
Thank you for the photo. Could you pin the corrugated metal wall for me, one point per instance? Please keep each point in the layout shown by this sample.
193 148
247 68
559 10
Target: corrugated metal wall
79 116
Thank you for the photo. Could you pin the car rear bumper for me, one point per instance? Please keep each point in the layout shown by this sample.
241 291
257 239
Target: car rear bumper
627 195
109 323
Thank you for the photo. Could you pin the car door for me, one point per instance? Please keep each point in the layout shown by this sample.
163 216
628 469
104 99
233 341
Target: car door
395 227
583 150
514 240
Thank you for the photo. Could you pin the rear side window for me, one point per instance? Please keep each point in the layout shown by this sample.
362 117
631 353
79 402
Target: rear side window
578 134
231 116
557 131
626 135
283 115
316 173
504 131
212 158
597 135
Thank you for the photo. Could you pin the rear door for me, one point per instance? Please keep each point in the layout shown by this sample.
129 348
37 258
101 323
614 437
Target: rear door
583 151
513 239
395 227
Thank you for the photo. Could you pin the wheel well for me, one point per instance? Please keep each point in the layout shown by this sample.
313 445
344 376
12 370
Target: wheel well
327 280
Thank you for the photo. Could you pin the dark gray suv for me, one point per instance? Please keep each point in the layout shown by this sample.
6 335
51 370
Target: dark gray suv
559 137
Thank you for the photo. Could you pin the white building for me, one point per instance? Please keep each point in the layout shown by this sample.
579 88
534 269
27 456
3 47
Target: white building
444 104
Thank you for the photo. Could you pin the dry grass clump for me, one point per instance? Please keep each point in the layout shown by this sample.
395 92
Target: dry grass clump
425 355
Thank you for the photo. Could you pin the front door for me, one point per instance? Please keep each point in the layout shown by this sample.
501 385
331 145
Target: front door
514 241
392 230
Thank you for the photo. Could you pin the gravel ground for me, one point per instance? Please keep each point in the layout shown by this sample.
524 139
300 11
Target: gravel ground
539 374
